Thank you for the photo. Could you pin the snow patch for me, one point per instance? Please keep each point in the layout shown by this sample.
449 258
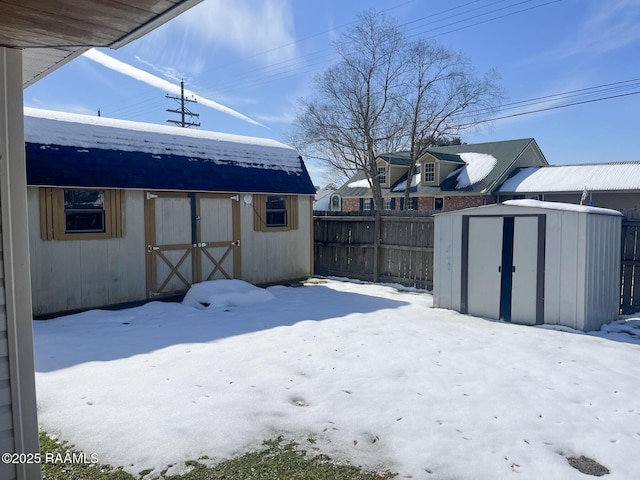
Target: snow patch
364 183
372 374
85 131
569 207
478 166
224 293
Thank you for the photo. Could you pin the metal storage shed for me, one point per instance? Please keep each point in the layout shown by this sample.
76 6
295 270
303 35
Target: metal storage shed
530 262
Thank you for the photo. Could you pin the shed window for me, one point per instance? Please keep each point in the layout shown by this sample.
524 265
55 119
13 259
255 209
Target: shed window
80 214
275 212
429 172
84 211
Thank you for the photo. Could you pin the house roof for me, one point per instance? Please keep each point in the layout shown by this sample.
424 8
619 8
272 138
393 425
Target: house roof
619 176
84 151
482 167
505 153
52 33
397 158
446 157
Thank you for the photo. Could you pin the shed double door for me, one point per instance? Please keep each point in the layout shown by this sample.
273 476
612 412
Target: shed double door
505 268
190 238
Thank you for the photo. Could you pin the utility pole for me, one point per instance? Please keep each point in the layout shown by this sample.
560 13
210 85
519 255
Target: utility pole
184 111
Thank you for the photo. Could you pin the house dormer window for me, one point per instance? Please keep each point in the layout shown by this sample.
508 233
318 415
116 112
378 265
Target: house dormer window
382 175
429 172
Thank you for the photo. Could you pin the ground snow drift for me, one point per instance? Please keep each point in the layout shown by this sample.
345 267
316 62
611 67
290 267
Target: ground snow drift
374 375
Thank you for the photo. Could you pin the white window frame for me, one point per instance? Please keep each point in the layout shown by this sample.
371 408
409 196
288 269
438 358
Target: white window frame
432 172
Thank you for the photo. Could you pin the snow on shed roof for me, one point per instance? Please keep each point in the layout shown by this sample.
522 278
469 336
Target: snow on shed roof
567 207
47 127
575 178
82 151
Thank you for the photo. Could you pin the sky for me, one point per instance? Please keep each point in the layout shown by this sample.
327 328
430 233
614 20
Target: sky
368 374
248 63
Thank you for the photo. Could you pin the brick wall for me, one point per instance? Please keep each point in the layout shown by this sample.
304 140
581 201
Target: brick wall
458 203
350 204
426 203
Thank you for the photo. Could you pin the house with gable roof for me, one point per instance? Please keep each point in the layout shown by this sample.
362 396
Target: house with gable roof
446 178
122 211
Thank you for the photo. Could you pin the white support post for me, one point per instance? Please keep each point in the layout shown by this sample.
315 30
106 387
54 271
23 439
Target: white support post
15 282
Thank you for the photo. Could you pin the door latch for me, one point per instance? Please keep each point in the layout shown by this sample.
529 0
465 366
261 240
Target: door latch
151 248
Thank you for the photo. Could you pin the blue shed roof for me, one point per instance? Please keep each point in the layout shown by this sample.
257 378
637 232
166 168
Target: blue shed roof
81 151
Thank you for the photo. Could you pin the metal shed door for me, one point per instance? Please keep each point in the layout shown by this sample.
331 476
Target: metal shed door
524 291
505 268
484 257
190 238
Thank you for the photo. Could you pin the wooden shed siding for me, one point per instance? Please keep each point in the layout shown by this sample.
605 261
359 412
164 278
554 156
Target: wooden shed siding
74 274
276 256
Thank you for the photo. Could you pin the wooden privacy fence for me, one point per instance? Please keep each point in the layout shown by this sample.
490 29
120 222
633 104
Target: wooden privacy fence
396 249
399 249
630 264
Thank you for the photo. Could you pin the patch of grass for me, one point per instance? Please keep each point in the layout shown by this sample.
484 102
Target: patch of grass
277 460
60 461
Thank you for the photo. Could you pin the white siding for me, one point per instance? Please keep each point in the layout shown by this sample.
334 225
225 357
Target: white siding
280 255
602 283
74 274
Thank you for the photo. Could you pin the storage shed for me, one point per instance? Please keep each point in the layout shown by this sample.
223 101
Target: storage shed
530 262
122 211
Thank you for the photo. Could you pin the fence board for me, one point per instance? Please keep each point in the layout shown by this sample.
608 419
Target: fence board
630 264
403 253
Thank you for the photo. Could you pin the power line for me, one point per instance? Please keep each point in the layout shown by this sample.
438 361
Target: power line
554 107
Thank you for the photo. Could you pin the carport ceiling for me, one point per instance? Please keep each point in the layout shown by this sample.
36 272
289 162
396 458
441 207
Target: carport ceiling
54 31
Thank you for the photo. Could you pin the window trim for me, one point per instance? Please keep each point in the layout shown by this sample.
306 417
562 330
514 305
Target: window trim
260 213
53 219
433 172
382 175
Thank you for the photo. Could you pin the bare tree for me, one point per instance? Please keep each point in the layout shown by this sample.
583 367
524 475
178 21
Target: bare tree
443 97
386 94
351 119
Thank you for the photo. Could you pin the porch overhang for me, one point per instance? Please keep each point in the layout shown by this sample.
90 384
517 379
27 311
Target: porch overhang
53 33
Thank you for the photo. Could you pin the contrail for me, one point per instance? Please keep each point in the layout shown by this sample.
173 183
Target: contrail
157 82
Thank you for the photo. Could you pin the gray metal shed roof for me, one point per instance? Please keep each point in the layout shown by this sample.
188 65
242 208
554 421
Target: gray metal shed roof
618 176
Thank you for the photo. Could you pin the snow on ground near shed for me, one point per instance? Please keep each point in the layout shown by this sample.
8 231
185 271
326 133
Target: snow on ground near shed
84 131
374 374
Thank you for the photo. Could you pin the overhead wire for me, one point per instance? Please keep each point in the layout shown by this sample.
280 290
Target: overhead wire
287 68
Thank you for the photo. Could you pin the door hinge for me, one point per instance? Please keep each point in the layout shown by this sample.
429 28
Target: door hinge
236 198
236 243
151 248
200 245
151 196
154 294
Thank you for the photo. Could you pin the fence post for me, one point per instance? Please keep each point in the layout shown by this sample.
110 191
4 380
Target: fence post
376 246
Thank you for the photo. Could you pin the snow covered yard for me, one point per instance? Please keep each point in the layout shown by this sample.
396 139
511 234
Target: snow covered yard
373 375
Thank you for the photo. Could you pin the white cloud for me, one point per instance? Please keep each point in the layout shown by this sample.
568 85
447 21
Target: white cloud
159 83
612 25
264 29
